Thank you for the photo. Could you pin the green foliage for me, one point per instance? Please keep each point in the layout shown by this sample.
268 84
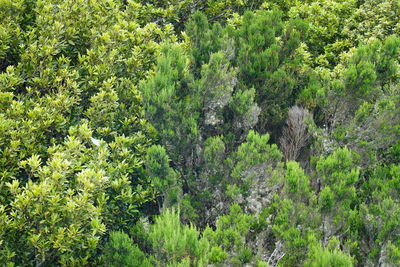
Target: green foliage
11 34
297 183
73 135
114 111
338 26
164 100
380 215
190 108
120 251
328 18
338 197
393 254
230 236
174 243
374 19
295 206
179 12
319 257
371 66
326 199
214 156
253 158
268 61
216 87
60 207
162 176
204 39
218 255
337 172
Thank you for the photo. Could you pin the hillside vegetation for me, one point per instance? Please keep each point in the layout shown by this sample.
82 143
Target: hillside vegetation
200 133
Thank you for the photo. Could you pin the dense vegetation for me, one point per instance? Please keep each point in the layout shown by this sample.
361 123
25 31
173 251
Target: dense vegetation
200 133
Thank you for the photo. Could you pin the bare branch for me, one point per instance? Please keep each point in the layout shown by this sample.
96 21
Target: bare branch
294 134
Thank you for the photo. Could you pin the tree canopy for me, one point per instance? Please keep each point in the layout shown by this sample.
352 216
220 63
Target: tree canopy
199 133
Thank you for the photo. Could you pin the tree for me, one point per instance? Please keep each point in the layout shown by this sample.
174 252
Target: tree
294 135
173 106
205 39
114 111
327 39
379 215
162 176
338 195
294 206
120 251
253 167
60 208
229 238
188 113
174 243
329 256
73 134
216 87
373 19
366 91
271 67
